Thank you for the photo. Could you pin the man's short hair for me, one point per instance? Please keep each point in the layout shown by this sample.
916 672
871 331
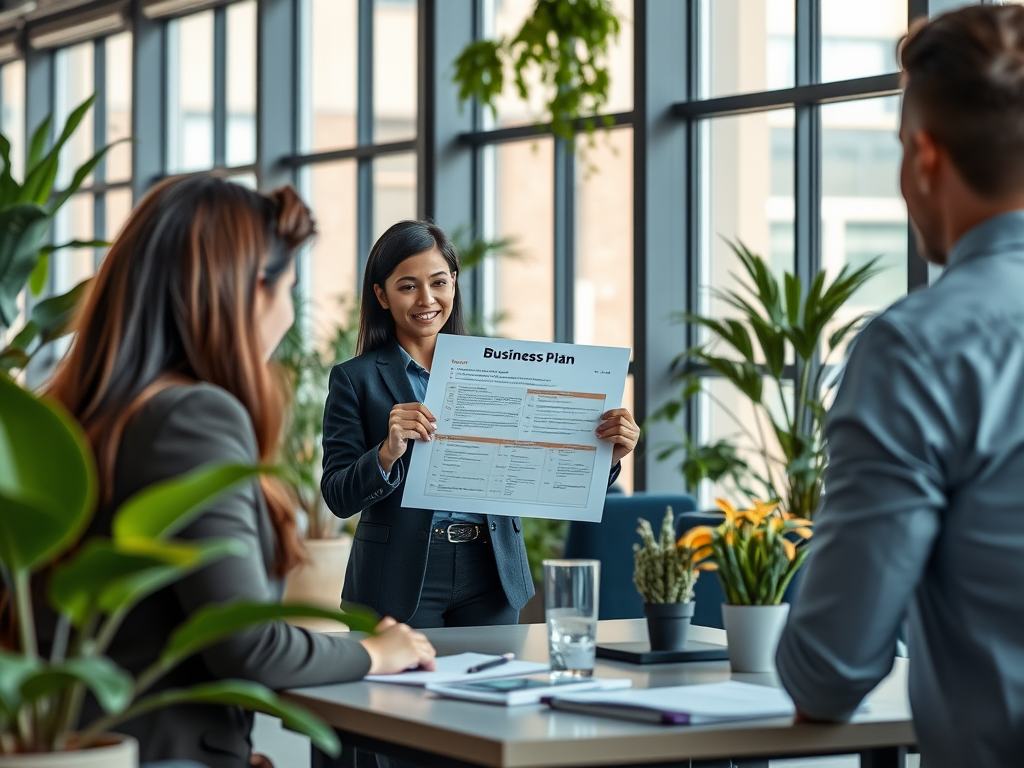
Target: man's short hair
964 72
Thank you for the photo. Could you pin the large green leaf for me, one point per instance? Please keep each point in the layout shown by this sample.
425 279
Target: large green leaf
112 686
43 513
80 175
164 508
214 623
22 228
248 695
113 576
53 316
15 668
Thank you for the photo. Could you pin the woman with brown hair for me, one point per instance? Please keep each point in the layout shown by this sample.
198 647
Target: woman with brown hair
169 371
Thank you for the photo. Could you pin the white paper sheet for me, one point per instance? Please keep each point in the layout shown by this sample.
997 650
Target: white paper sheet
452 669
516 428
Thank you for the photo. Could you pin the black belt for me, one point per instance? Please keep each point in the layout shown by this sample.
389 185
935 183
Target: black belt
460 533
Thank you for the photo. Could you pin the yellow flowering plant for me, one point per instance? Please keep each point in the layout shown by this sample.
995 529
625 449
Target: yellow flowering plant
755 552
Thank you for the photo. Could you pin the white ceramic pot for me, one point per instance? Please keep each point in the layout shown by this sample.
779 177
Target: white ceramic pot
118 752
753 633
319 581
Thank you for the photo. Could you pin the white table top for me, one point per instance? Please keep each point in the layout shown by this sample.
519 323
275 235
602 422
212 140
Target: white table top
514 737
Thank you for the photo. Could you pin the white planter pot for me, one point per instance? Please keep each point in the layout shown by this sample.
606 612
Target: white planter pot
319 581
122 753
753 633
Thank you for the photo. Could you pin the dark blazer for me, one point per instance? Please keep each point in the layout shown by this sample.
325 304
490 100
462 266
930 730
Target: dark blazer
389 554
181 428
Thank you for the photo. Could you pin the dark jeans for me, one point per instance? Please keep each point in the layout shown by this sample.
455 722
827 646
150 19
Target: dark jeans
461 587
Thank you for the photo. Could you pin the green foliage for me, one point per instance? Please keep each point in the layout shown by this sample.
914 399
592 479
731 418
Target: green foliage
307 371
664 571
772 322
26 211
753 552
94 583
564 45
544 539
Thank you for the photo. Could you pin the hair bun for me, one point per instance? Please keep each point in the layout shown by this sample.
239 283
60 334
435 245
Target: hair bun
295 223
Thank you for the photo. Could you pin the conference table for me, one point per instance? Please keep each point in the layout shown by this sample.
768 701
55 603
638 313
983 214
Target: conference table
415 727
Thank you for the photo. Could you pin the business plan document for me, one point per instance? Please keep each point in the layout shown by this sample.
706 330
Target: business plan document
516 428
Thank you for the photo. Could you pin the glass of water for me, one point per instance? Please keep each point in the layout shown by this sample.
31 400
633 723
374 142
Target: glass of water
570 606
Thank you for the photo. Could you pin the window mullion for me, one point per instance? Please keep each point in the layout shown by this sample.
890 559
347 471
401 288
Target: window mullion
220 85
364 136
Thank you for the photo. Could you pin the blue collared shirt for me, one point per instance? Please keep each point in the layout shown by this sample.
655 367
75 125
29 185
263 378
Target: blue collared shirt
923 514
419 377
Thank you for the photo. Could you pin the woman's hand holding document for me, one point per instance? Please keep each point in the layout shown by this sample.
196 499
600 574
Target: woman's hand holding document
683 704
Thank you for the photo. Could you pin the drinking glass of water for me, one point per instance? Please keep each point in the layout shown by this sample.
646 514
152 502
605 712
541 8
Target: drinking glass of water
570 606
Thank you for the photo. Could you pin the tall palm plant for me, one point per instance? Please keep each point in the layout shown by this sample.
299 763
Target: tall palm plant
26 211
774 323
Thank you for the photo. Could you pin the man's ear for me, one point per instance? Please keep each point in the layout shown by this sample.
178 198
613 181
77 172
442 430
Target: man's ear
928 159
381 296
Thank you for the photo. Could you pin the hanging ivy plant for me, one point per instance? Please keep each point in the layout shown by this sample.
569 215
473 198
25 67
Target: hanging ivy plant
566 43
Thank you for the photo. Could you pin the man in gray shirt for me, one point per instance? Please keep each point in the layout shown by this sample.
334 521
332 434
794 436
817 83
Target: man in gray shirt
923 515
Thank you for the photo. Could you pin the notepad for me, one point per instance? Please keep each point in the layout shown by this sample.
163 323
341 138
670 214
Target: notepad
683 704
516 691
452 669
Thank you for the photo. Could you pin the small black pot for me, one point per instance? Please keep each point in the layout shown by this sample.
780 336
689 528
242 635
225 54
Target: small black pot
668 625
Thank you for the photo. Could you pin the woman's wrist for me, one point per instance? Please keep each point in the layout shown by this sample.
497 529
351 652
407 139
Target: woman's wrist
387 462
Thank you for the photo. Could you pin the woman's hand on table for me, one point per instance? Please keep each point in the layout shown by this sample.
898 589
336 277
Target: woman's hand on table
618 427
397 647
408 421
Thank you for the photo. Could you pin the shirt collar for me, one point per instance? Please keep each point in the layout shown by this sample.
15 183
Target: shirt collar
411 364
995 235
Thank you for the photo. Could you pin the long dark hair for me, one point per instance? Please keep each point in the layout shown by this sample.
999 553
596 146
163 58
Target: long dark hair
402 240
175 295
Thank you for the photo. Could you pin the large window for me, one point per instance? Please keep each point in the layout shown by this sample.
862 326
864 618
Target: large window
357 116
567 216
102 67
807 179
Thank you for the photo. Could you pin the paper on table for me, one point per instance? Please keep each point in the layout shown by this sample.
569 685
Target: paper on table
516 429
452 669
682 704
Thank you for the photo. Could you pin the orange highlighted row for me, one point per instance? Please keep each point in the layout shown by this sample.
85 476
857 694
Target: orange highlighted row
517 443
584 395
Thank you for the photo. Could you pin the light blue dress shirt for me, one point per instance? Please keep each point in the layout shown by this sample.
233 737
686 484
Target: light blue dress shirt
923 514
419 377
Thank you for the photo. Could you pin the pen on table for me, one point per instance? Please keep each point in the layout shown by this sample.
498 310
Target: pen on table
503 659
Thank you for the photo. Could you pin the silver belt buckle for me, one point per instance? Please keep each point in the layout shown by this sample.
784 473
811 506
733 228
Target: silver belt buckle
462 532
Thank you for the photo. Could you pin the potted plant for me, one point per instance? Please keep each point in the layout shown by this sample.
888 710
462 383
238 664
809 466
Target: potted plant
26 211
563 46
664 574
319 578
92 584
755 552
783 338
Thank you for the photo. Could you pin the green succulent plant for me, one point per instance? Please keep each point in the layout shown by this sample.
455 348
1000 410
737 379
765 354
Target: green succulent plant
664 570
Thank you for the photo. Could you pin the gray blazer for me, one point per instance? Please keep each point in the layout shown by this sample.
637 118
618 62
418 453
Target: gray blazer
182 428
389 554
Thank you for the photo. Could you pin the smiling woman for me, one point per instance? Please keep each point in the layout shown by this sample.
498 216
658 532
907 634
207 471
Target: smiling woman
477 571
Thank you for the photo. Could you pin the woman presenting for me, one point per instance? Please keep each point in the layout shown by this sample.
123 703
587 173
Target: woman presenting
476 572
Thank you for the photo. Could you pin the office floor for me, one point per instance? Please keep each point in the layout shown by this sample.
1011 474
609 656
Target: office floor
289 750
